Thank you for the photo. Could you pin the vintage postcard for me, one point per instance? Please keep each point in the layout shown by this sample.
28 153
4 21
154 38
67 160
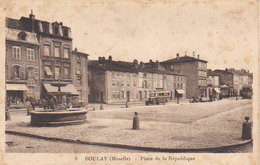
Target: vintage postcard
129 82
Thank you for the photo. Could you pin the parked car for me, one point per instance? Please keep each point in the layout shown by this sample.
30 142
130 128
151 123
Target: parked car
158 97
246 93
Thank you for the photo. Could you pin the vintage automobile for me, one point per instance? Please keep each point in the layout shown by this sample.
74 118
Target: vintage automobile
158 97
246 92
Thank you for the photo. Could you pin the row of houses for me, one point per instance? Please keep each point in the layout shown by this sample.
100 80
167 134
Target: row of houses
118 81
39 53
230 81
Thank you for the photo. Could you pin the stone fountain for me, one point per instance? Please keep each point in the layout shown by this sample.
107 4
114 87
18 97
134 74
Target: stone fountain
60 115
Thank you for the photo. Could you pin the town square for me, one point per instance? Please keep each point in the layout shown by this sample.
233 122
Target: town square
100 80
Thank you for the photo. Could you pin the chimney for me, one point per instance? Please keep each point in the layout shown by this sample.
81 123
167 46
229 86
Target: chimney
135 63
198 56
151 61
141 64
61 23
157 64
76 49
110 58
103 60
177 55
32 17
99 59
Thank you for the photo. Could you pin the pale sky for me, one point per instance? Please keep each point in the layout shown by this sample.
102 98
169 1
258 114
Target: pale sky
224 32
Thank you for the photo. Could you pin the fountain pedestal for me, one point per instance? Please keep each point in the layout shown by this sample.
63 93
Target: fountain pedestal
58 118
60 115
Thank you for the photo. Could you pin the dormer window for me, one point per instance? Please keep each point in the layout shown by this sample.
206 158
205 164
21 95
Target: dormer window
65 32
22 36
56 30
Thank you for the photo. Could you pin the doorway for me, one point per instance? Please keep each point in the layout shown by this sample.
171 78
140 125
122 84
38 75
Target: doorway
101 96
128 95
140 95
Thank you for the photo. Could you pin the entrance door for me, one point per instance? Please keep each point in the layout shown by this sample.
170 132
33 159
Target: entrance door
140 95
128 95
101 97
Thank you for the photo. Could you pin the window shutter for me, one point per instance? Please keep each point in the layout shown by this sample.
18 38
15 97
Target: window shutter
22 72
12 72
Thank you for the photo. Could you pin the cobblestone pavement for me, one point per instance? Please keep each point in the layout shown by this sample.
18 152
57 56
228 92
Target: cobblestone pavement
18 144
195 125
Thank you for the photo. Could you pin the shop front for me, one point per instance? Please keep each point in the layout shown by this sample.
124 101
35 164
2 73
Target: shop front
16 94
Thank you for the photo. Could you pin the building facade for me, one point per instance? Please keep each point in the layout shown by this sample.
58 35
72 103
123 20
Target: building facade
80 74
22 62
117 81
232 81
54 59
195 70
213 85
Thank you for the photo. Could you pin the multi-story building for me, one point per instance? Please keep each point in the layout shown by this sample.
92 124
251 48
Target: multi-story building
213 85
232 81
241 78
195 70
112 81
56 62
117 81
165 79
22 62
80 71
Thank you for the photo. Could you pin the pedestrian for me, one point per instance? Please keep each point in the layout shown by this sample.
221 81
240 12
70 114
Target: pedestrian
52 102
28 106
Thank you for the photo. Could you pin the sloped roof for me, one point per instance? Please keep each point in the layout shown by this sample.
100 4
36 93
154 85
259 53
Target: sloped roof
80 53
25 23
123 66
16 24
112 66
182 59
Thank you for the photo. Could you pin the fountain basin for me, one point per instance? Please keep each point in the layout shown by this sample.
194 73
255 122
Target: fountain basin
58 118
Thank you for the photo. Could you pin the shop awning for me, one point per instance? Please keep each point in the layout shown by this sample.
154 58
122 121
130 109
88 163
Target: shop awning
217 90
16 87
180 91
48 70
70 88
223 86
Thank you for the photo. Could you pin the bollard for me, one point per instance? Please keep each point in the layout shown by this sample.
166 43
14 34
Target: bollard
136 121
101 107
246 129
163 101
126 104
178 100
7 115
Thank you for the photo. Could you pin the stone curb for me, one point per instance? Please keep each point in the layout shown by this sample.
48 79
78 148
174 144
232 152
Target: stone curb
152 149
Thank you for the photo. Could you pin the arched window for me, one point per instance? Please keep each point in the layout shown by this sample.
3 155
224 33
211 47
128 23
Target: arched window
22 36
